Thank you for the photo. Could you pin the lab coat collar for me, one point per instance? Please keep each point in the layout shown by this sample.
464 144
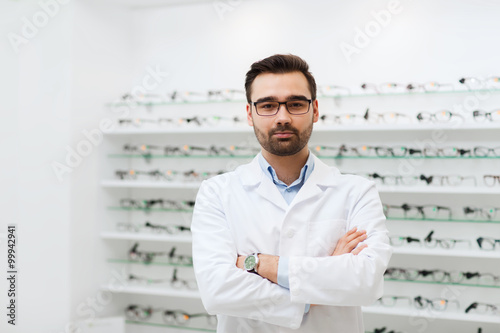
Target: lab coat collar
323 176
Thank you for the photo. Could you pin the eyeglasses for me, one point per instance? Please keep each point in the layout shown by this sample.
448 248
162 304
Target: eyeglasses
438 304
383 330
429 86
271 108
448 180
474 82
481 116
226 94
483 308
390 301
169 175
176 317
400 240
487 244
151 203
438 275
175 282
148 257
393 179
333 90
491 180
485 151
387 117
445 243
485 213
417 211
439 117
156 228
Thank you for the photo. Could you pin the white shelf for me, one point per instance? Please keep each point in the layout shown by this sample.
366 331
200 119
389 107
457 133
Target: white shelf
425 313
440 189
318 127
146 237
141 290
148 184
447 253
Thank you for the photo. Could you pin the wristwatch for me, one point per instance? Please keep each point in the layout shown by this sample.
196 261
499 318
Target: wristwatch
252 263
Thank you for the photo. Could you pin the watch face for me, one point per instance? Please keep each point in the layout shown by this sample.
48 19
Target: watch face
249 262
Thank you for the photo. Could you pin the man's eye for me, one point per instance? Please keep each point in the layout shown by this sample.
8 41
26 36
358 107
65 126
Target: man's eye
267 106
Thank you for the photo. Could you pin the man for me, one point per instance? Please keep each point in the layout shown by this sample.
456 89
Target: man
287 243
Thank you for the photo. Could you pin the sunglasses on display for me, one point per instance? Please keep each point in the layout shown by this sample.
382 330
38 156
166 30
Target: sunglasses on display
147 257
154 228
172 317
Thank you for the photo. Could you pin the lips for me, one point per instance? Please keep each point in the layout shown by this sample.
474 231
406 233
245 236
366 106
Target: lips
283 134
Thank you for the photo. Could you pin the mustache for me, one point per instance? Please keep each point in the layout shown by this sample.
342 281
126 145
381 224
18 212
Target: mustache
281 128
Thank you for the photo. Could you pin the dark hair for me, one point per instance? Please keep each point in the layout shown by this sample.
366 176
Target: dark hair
279 64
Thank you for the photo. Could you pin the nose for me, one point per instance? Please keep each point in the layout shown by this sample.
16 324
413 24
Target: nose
283 116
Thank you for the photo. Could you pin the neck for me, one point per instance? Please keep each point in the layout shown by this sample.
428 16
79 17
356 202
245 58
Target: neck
287 167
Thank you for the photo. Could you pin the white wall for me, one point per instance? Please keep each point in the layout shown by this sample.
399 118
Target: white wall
92 51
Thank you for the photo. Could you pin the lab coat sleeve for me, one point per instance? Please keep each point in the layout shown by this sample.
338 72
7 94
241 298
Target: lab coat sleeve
347 280
224 288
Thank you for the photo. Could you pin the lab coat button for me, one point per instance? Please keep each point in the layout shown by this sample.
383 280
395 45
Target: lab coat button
288 189
290 233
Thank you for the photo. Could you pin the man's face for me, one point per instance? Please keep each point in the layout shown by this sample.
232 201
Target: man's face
283 134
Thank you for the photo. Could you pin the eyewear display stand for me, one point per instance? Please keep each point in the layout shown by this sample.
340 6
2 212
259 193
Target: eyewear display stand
169 123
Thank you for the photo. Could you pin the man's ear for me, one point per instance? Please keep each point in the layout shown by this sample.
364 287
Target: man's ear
249 115
315 111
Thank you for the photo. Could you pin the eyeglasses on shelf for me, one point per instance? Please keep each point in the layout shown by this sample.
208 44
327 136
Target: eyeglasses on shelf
491 180
445 243
485 213
155 228
482 116
153 203
488 243
417 211
483 308
443 116
172 317
480 83
438 304
148 257
442 276
175 281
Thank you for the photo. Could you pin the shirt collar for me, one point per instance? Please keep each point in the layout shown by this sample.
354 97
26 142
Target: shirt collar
268 170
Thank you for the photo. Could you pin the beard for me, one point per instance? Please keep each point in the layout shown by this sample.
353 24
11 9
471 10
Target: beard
284 146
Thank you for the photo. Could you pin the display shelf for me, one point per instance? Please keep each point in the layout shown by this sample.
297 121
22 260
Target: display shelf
149 184
439 189
426 313
447 252
187 328
153 263
441 220
355 95
151 209
146 237
443 283
141 290
319 128
147 210
153 156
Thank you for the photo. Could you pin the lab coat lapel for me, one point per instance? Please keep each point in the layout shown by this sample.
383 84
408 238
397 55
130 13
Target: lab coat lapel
253 178
322 177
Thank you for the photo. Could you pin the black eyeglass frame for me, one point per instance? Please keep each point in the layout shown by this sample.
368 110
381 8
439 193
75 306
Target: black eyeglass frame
286 107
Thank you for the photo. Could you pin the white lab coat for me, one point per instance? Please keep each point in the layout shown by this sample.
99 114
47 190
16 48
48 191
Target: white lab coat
242 212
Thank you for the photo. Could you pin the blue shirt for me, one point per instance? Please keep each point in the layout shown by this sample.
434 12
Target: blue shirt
288 192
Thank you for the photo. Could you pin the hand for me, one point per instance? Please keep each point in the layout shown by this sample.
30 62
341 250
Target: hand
349 241
240 262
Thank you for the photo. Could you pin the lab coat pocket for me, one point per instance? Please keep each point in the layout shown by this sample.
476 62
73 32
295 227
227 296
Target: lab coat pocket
323 236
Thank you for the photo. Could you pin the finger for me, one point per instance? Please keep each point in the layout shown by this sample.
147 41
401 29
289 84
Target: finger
355 235
353 243
360 248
